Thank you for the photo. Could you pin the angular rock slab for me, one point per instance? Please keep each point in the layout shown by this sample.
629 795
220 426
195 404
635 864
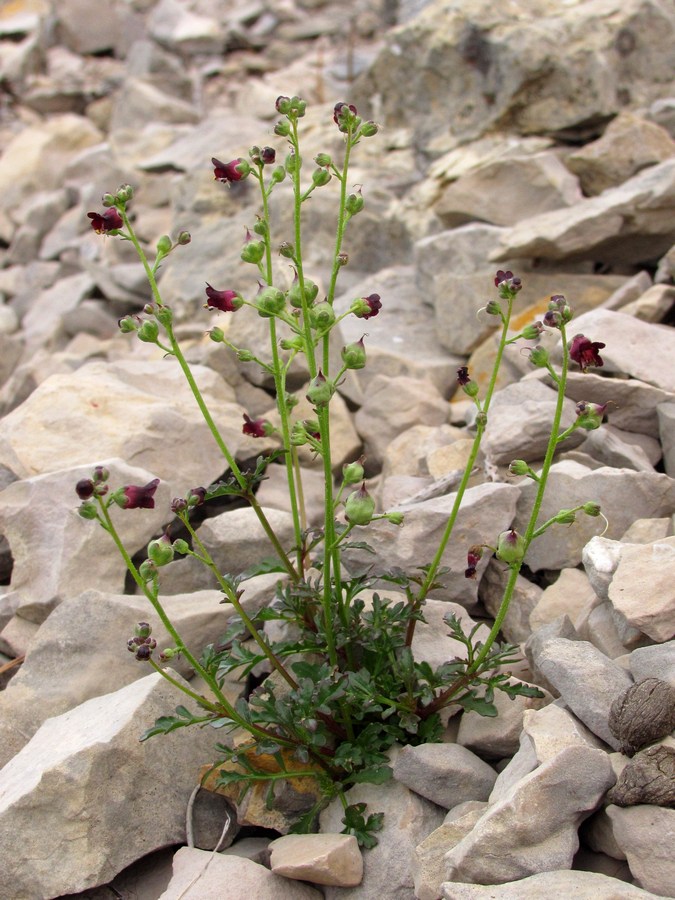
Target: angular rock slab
641 589
55 550
319 858
623 494
646 834
162 425
61 670
408 819
565 883
446 774
199 875
533 827
587 681
87 793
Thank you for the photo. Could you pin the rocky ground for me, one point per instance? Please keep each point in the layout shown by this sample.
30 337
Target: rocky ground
531 135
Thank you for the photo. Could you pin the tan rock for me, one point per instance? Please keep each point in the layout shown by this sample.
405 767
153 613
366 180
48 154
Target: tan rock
646 603
570 594
319 858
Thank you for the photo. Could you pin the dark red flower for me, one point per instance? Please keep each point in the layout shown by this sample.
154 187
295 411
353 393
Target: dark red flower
342 114
473 557
85 488
107 221
256 428
366 307
135 496
231 171
463 376
225 301
585 352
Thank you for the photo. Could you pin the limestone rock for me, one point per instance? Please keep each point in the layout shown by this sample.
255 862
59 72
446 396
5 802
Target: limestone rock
586 679
320 858
628 223
61 671
236 539
199 875
650 606
628 145
533 828
561 883
646 834
517 625
657 661
429 862
56 795
571 594
408 819
446 774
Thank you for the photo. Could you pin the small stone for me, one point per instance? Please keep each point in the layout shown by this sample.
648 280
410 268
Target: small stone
657 661
319 858
641 715
447 774
648 778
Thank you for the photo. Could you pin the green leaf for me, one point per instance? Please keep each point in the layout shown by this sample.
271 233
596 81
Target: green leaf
372 775
478 704
167 724
264 567
519 689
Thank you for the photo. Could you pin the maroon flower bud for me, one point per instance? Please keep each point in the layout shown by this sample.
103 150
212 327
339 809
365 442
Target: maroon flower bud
585 352
344 116
225 301
463 376
283 105
507 281
343 260
101 473
134 496
366 307
143 653
178 505
235 170
108 222
473 557
256 428
84 488
196 496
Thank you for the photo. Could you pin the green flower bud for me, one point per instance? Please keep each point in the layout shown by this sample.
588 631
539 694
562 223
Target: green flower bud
323 160
354 355
287 250
320 177
270 302
369 129
164 316
291 163
591 508
88 510
283 129
253 252
143 630
164 245
168 653
353 472
245 356
531 332
471 389
359 506
295 343
294 293
322 316
492 308
519 467
261 228
160 551
128 324
217 335
107 200
590 415
147 570
539 357
125 193
354 204
510 547
278 174
298 435
148 332
184 238
565 517
320 391
181 546
396 518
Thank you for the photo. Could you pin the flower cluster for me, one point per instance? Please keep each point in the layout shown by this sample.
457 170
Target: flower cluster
141 644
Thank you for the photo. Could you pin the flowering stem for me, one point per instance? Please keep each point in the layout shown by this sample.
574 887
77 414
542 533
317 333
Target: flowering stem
201 701
231 595
461 489
536 507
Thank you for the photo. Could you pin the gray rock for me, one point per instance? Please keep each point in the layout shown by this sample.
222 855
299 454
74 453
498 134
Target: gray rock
199 875
429 862
628 145
408 819
561 883
600 558
623 495
646 834
66 768
666 416
649 606
517 625
61 670
175 26
446 774
571 594
623 449
533 828
587 681
236 539
320 858
623 224
657 661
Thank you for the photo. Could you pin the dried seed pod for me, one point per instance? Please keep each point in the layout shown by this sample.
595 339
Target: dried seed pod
648 778
641 715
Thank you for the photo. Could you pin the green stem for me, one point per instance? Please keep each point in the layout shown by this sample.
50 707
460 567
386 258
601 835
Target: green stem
202 701
234 600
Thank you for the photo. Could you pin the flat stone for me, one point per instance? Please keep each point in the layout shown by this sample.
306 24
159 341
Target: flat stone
429 861
447 774
571 594
561 883
320 858
646 835
657 661
648 606
533 827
